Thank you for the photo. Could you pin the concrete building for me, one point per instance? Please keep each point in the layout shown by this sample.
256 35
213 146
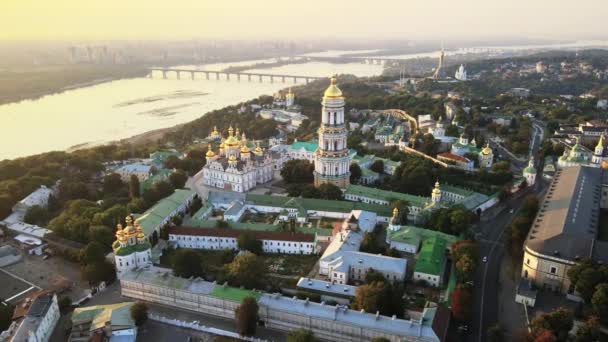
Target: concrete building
141 171
34 319
327 322
328 291
111 322
565 229
217 239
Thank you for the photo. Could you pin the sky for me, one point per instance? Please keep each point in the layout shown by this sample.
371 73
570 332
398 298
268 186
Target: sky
311 19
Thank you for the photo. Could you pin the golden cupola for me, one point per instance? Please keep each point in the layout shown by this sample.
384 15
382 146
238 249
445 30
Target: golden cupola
333 90
140 232
120 236
258 149
209 153
230 131
487 150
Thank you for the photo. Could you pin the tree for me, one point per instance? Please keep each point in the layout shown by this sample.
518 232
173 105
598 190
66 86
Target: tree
301 335
330 192
139 313
404 209
600 302
374 276
102 234
163 189
496 333
134 187
380 339
98 272
6 316
137 205
112 184
248 242
247 270
187 263
465 268
559 322
172 162
246 316
298 171
544 335
373 297
355 173
588 279
6 205
36 215
64 303
178 179
588 331
92 253
377 166
462 301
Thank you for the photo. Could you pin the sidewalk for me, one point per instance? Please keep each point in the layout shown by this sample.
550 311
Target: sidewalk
512 317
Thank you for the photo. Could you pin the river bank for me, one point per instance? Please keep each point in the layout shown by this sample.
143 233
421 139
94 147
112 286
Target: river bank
17 85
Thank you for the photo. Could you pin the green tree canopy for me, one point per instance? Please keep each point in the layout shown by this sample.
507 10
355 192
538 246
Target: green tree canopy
246 316
139 313
247 270
187 263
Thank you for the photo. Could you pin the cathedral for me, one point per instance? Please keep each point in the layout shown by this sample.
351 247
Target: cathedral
332 160
131 248
238 165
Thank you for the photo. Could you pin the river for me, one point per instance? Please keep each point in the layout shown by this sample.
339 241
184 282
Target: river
124 108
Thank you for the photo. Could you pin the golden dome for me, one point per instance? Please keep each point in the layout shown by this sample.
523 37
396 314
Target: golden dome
333 90
245 149
215 130
395 212
487 150
232 158
210 153
237 133
231 142
605 164
258 149
436 189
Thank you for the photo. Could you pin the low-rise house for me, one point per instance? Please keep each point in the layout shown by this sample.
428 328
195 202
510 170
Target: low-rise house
34 319
141 171
218 239
111 322
303 150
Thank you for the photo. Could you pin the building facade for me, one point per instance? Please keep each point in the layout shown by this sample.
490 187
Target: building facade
237 166
131 248
332 160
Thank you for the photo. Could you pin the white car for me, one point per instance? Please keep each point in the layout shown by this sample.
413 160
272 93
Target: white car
485 259
511 211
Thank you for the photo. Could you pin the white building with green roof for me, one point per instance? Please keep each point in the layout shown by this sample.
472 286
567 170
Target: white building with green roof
303 150
162 212
431 261
575 156
530 172
112 319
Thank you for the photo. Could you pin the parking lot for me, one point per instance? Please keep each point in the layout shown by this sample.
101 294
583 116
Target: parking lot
51 273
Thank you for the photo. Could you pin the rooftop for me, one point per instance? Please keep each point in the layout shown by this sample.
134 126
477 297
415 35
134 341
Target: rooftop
432 256
566 224
386 195
118 315
161 210
327 287
234 233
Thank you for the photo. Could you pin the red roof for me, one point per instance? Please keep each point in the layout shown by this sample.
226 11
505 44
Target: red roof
451 156
234 233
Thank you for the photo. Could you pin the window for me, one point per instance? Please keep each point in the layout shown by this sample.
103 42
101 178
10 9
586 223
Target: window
528 262
553 270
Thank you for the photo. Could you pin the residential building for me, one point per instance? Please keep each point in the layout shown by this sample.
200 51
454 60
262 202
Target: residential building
34 319
342 262
327 322
111 322
217 239
140 170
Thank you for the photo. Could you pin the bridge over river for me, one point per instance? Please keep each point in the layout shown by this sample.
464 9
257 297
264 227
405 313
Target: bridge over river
233 75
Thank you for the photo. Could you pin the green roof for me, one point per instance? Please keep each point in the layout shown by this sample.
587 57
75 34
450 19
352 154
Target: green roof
232 293
267 227
359 190
309 146
138 247
432 256
159 175
457 190
414 235
159 157
118 315
198 216
162 209
365 172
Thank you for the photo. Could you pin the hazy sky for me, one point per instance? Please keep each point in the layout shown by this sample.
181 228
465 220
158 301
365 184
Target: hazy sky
404 19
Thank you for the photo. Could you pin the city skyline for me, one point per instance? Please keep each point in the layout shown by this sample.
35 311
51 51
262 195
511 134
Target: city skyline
188 19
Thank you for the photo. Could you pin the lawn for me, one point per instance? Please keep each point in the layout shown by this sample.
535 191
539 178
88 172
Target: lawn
295 265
